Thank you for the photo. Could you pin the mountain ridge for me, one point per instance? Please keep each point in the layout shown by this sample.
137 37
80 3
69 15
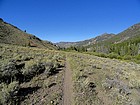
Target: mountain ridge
86 42
10 34
128 33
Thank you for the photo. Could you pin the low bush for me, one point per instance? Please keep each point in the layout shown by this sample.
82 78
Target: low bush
102 55
31 70
8 93
127 57
113 55
9 72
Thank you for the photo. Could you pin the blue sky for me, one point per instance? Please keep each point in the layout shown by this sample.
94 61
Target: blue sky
70 20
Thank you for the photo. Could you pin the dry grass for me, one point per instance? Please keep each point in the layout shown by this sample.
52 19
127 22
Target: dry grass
96 80
39 73
103 81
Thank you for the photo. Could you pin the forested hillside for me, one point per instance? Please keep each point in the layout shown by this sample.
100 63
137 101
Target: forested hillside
125 45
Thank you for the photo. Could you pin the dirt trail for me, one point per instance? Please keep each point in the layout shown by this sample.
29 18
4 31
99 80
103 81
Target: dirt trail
68 87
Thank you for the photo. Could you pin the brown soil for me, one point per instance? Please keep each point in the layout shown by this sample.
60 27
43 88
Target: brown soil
35 93
68 87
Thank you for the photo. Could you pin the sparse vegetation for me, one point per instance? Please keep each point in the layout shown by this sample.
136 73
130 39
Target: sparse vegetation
24 71
102 81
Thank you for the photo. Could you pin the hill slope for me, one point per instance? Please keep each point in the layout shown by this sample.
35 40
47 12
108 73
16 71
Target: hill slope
10 34
129 33
126 42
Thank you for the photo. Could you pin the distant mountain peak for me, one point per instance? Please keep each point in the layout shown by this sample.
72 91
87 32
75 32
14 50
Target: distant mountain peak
135 26
105 34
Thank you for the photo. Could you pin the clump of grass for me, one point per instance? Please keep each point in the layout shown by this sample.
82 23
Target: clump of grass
127 57
113 55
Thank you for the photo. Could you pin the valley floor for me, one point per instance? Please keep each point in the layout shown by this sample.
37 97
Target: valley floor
46 77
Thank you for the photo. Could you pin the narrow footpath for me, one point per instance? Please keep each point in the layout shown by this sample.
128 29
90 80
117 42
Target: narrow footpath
68 86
